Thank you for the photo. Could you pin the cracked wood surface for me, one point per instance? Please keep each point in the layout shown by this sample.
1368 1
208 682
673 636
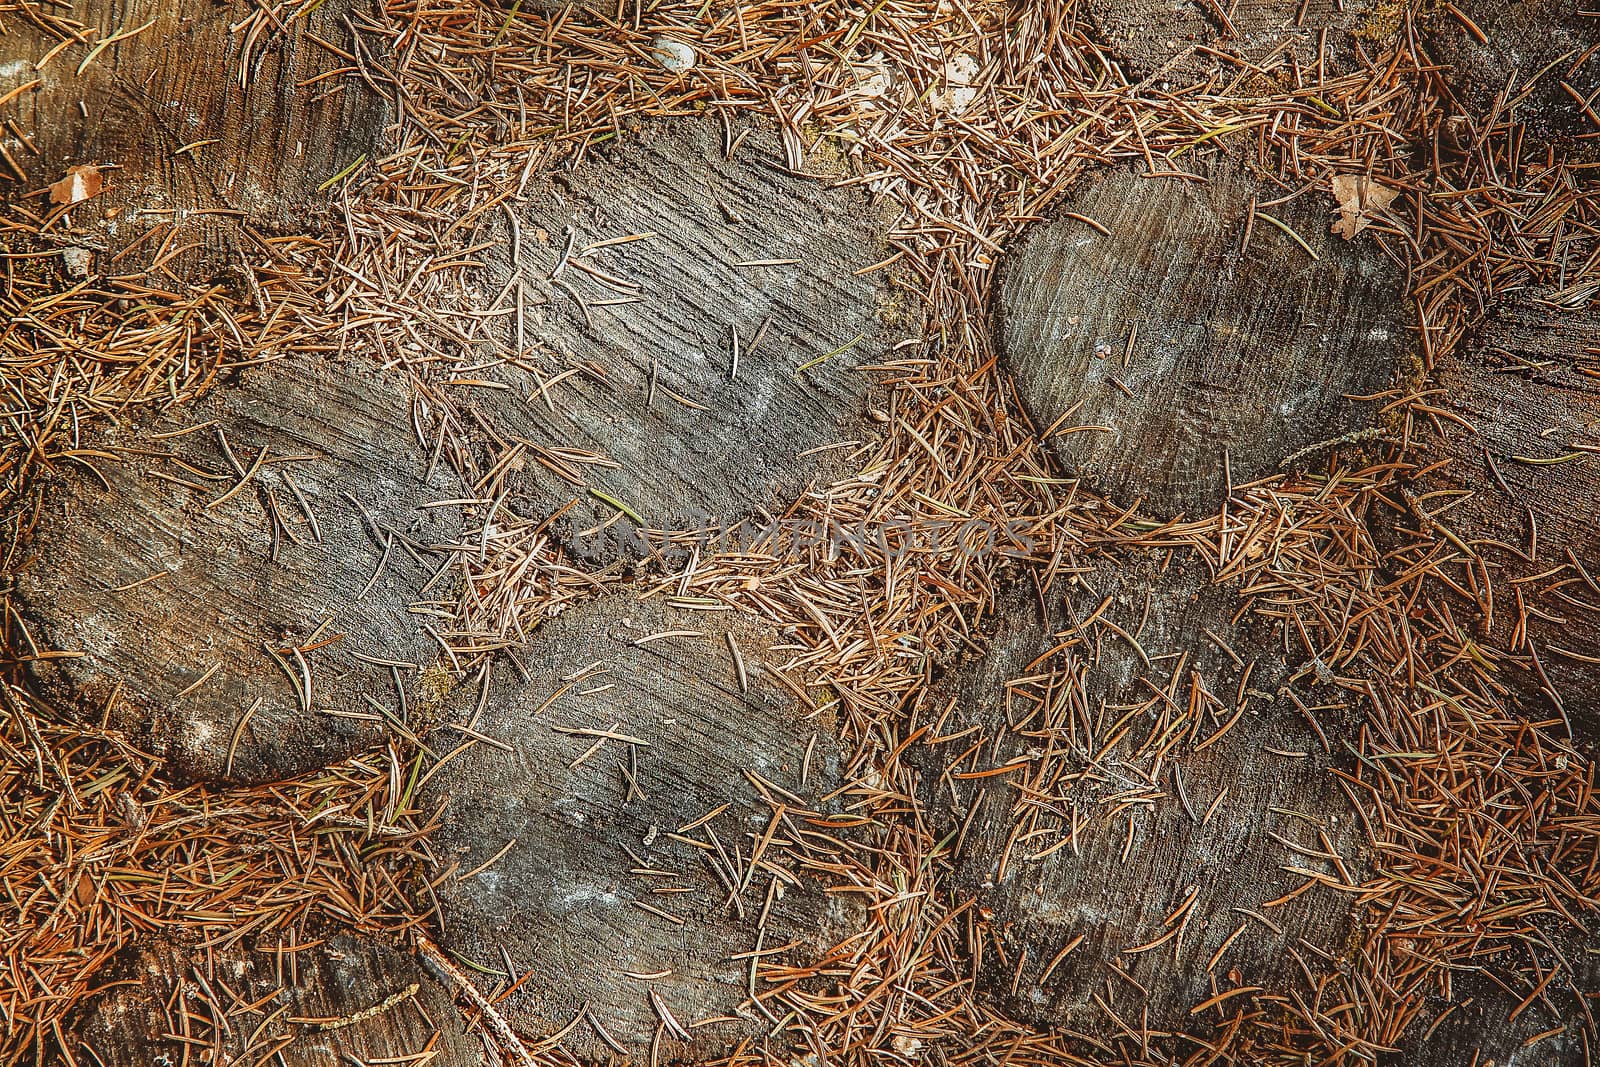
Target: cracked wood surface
1190 38
1536 58
1513 482
324 1003
189 147
557 899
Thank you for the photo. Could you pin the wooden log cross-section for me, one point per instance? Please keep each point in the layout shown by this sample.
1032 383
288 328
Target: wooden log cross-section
1511 483
692 325
232 583
342 1000
1188 39
629 827
1174 336
151 95
1534 60
1135 786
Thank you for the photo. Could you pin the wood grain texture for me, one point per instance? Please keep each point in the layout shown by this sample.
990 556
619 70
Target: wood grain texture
556 855
190 146
627 387
1529 47
346 1000
1152 35
1049 699
1247 356
168 586
1477 1030
1527 388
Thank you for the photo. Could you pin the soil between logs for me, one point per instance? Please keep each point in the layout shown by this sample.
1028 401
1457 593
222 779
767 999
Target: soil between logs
638 822
233 583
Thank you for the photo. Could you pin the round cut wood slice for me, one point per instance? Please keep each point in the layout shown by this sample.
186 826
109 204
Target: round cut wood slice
1180 41
239 583
693 330
176 137
1082 852
639 819
1167 354
346 999
1513 475
1531 47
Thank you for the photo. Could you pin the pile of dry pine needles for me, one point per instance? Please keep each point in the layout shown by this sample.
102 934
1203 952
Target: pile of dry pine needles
1484 824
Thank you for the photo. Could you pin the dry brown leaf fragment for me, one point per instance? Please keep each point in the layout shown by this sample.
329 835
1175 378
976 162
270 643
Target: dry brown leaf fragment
1361 200
81 183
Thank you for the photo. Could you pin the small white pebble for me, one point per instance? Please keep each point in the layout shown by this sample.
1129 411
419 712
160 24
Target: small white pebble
77 261
673 55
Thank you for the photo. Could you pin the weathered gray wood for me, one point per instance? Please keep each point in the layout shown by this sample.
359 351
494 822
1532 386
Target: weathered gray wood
166 586
1114 893
1548 40
555 853
1527 387
1244 357
1479 1029
645 390
344 1000
1147 35
260 148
